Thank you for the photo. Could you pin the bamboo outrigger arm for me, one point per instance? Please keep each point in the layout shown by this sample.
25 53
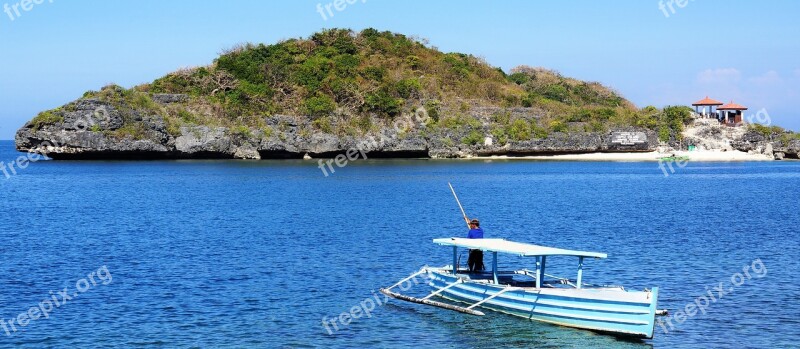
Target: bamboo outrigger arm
423 270
387 291
509 288
432 303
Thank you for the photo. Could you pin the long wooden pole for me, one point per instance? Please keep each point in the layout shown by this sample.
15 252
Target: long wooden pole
430 302
459 204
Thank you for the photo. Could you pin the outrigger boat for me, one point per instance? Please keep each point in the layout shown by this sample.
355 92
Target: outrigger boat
536 295
673 158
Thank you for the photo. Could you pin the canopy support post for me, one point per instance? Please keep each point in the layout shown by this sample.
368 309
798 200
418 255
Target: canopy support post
580 272
538 271
455 260
494 267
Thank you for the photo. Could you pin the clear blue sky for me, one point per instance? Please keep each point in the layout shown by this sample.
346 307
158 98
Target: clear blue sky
742 50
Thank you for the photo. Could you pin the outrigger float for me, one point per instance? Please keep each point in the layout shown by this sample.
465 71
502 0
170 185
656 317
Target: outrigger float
536 295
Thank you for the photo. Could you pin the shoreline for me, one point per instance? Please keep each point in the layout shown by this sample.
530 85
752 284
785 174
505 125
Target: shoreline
653 156
700 156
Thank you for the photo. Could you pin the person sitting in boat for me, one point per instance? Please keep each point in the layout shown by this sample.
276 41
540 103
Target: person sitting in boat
475 260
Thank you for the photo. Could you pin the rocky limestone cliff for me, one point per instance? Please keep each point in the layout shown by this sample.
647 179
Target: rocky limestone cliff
708 134
88 125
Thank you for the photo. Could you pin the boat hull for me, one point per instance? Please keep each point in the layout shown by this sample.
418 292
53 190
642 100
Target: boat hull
608 310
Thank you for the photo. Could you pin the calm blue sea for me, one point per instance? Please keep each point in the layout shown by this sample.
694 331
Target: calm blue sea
256 254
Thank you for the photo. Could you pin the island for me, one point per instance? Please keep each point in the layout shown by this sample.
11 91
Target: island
382 94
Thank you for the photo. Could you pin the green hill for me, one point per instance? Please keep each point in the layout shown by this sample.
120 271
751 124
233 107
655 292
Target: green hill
322 94
343 74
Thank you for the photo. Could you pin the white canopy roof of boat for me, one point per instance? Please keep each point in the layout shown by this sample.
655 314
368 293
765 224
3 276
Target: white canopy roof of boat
511 247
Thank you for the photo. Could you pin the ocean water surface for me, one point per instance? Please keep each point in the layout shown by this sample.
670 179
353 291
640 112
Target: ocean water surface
258 253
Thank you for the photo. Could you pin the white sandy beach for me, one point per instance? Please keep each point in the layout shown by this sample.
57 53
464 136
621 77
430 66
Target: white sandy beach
707 156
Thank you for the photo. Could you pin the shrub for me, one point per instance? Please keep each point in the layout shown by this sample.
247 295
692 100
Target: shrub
511 100
502 118
136 131
46 118
323 124
374 73
556 93
341 40
173 128
447 142
581 115
320 105
519 78
663 134
649 110
460 121
528 100
459 66
346 65
245 62
179 82
382 102
520 130
414 62
361 124
538 131
766 131
432 108
408 88
312 72
558 126
788 137
473 138
597 126
344 90
266 131
187 117
500 135
678 115
606 113
142 101
242 131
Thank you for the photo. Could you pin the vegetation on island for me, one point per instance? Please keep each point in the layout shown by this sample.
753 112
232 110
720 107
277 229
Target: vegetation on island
774 133
48 117
350 83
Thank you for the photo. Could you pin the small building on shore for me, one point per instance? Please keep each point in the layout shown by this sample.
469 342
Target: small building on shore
730 114
709 104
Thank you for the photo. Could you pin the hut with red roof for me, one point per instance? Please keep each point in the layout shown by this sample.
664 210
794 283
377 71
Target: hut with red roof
732 113
707 103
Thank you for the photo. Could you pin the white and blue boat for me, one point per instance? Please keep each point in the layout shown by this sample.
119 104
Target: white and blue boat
536 295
